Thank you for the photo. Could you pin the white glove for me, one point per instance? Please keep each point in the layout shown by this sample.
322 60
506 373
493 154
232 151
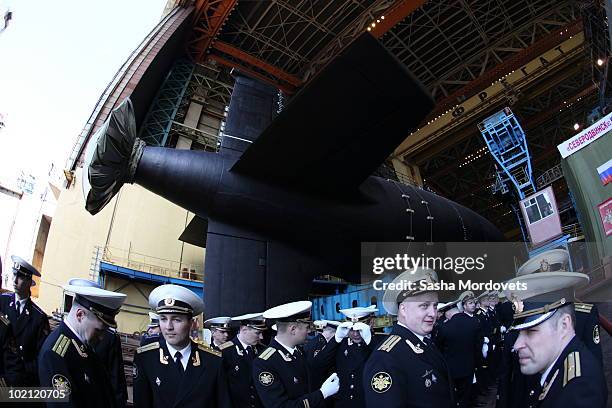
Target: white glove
485 350
330 386
502 329
486 340
364 330
474 379
342 331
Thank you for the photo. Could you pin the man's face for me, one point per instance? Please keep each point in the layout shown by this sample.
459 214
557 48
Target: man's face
355 336
493 301
219 336
21 285
418 313
484 302
299 331
93 328
154 330
469 306
537 347
175 329
250 336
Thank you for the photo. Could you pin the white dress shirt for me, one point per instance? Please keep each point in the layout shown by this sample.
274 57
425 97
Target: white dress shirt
185 354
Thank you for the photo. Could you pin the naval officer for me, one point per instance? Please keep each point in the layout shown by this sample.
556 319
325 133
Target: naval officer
30 325
547 346
281 373
219 328
176 371
238 355
67 359
407 370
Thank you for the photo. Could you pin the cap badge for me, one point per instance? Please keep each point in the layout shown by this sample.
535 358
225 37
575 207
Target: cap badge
169 302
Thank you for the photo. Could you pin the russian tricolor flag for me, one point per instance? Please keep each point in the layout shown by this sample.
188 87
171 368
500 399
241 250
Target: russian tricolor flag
605 172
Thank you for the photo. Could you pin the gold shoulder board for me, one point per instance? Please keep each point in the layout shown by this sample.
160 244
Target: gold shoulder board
61 345
583 307
267 353
226 345
147 347
209 350
388 344
571 367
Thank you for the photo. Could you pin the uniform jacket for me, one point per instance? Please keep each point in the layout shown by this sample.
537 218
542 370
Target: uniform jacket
282 379
30 329
11 366
109 352
66 363
404 372
576 380
460 342
238 364
158 383
350 361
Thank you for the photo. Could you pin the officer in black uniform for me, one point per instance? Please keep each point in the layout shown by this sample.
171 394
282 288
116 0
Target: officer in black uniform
460 342
407 370
11 366
67 359
545 270
281 372
219 327
176 371
356 343
321 365
483 374
153 330
325 331
547 345
30 325
238 355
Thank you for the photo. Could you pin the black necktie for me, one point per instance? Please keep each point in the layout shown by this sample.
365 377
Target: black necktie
18 304
177 360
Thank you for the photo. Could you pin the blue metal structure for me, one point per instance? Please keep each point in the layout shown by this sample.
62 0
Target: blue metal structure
157 123
362 295
150 278
508 145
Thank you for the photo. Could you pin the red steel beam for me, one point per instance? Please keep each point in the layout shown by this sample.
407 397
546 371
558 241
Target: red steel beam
256 62
393 15
210 17
511 64
288 89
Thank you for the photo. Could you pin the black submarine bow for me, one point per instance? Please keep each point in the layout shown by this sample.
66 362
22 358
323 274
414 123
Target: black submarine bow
291 197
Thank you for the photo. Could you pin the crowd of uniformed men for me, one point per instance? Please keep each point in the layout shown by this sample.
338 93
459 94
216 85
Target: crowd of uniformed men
537 351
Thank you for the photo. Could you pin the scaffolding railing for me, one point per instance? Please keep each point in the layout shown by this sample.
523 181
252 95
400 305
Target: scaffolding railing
153 265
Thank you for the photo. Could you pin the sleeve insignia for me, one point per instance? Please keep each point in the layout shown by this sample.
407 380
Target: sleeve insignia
571 367
265 378
147 347
135 371
4 320
596 337
381 382
226 345
60 382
